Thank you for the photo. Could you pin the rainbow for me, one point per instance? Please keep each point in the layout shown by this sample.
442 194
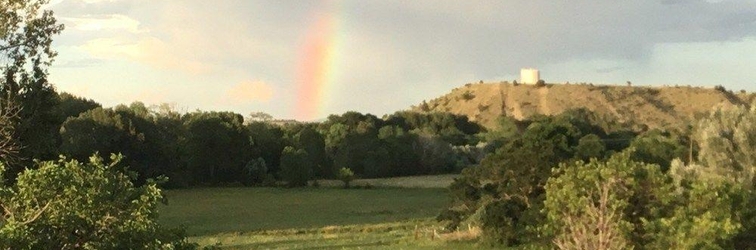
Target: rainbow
317 67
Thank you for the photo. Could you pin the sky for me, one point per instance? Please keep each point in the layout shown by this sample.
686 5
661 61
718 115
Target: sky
307 59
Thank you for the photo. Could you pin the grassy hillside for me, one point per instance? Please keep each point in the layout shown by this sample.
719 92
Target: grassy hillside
653 106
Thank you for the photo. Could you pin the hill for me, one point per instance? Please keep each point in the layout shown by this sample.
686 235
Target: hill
655 107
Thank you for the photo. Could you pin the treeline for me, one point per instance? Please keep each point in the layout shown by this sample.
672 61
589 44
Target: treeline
220 148
567 182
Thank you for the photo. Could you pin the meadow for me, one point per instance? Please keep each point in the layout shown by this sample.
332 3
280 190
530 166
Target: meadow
388 216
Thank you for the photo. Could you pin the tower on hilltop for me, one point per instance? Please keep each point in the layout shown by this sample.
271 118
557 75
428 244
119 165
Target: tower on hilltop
529 76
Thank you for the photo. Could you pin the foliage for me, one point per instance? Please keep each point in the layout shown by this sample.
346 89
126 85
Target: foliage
216 146
589 147
26 32
296 168
468 95
256 173
710 212
267 142
69 204
435 155
726 142
129 130
71 106
506 194
659 148
599 204
346 175
452 128
313 143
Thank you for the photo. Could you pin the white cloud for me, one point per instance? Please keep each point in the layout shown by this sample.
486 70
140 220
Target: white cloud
105 22
250 91
148 50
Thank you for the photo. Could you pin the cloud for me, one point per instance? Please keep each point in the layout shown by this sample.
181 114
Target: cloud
105 22
81 63
396 53
147 50
249 92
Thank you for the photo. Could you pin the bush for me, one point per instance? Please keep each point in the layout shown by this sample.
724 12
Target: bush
296 169
468 96
540 83
346 175
256 173
67 204
720 88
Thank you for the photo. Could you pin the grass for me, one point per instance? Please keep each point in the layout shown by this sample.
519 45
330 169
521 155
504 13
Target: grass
385 217
223 210
414 234
427 181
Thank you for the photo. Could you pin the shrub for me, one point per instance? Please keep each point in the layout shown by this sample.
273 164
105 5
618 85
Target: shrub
346 175
468 96
256 173
540 83
67 204
720 88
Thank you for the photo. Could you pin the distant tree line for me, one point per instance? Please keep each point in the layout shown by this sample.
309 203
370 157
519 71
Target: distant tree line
220 148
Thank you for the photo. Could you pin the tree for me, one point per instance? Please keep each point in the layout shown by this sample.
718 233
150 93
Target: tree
26 33
726 163
216 147
346 175
590 146
67 204
710 212
127 130
268 143
606 204
256 173
659 148
72 106
313 143
259 117
296 169
9 144
726 142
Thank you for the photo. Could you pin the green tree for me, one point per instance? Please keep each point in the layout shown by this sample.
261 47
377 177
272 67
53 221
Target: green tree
296 169
346 175
726 159
216 147
710 212
67 204
605 204
659 148
26 33
314 144
127 130
267 142
590 146
71 106
256 173
726 142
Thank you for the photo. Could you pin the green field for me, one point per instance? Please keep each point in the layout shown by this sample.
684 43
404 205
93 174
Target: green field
310 218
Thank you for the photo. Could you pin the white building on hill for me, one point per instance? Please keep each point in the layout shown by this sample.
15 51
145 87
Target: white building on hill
529 76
